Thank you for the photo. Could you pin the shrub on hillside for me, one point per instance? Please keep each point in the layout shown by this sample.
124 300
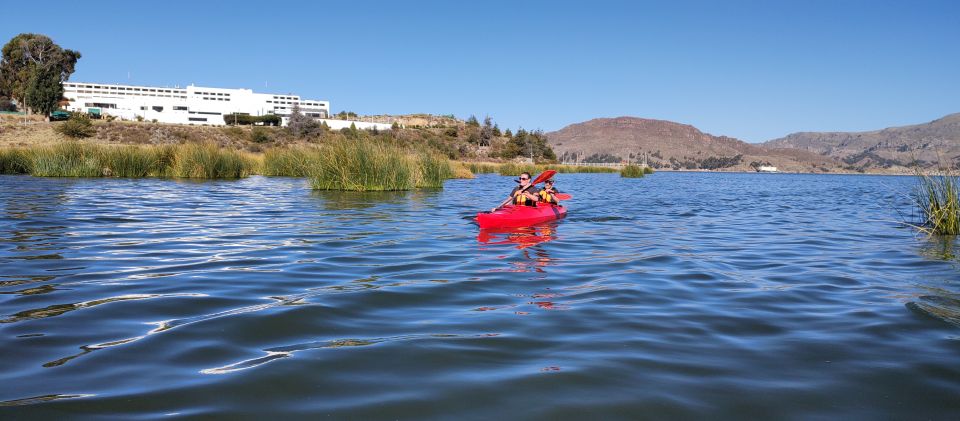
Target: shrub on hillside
78 126
260 135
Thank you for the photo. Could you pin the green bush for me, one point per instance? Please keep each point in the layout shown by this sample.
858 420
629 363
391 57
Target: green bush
260 135
247 120
78 126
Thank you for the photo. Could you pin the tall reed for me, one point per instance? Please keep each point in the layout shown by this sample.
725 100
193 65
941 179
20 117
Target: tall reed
363 166
209 161
938 199
130 161
355 165
66 159
291 162
14 161
483 167
432 170
632 171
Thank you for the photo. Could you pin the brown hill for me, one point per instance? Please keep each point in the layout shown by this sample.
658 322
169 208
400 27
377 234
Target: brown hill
892 148
666 144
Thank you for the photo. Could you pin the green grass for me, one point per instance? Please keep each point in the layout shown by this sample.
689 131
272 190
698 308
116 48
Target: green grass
938 198
647 170
632 171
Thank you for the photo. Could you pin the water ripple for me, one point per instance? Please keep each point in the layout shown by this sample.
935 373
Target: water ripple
691 298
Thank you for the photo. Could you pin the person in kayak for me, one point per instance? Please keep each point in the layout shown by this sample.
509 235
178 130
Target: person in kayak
548 193
522 197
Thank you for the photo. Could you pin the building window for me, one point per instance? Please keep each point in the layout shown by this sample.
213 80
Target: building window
179 108
197 118
158 109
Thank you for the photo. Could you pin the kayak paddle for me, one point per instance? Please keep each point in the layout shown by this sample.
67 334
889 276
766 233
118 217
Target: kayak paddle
544 176
563 196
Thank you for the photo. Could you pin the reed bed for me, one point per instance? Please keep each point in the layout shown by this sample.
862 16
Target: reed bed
79 159
461 170
363 166
195 160
431 170
67 159
483 167
339 165
938 198
515 169
14 161
632 171
298 161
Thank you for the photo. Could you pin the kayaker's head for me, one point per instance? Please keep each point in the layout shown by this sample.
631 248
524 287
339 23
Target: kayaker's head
524 178
548 184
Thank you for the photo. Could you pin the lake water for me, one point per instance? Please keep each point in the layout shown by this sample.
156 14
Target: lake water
680 295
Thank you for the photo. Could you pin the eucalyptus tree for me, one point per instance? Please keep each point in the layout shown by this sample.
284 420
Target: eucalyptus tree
33 68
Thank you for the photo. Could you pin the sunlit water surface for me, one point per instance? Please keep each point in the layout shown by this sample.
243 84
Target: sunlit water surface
680 295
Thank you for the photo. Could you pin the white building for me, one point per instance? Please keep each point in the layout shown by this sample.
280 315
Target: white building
190 105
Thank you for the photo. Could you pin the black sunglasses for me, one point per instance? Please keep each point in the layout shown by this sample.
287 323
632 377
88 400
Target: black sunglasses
524 178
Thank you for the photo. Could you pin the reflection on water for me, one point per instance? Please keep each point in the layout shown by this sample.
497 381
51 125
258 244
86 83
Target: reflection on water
941 247
258 297
522 237
347 200
939 300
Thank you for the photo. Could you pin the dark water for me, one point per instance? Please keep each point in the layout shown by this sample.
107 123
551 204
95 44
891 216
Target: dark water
680 295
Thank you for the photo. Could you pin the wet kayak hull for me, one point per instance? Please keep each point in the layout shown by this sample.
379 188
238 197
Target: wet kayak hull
520 216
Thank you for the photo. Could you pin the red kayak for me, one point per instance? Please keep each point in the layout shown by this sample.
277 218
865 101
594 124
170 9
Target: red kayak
520 216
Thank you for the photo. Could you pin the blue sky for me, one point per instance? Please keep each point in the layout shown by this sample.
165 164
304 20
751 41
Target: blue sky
754 70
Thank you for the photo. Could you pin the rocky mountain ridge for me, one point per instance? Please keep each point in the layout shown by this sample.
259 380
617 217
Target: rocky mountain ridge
671 145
